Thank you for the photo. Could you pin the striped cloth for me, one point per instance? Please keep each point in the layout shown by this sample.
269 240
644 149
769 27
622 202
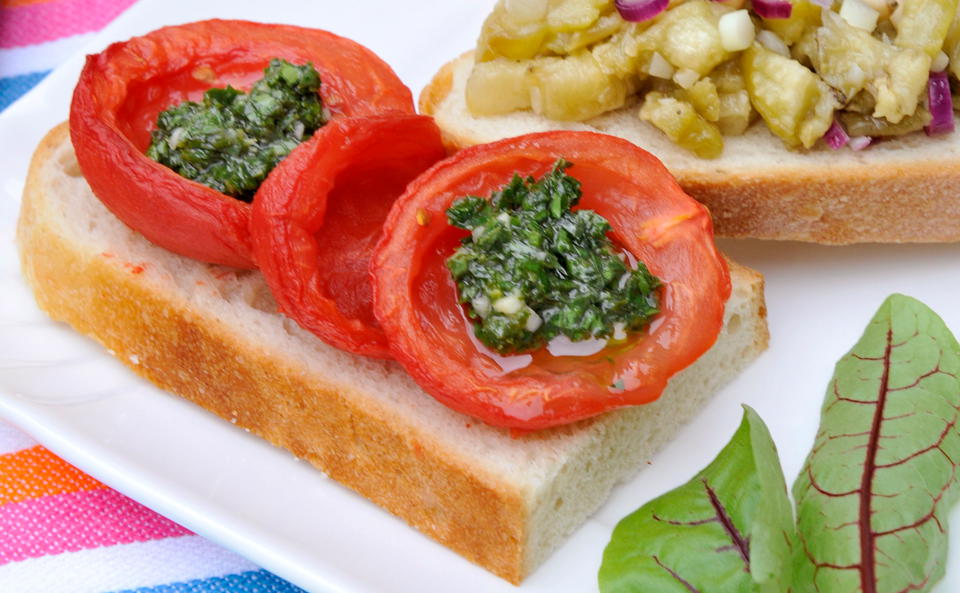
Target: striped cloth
37 35
62 531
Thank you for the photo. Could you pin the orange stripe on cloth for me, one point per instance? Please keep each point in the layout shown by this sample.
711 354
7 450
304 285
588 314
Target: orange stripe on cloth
13 3
36 472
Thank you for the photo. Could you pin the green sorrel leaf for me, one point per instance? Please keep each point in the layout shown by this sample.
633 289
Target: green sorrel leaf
873 494
728 530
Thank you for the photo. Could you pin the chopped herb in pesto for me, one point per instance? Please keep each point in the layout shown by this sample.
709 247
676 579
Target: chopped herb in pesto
232 140
532 269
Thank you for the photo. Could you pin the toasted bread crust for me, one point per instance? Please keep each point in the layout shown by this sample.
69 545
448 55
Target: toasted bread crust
354 438
845 198
915 203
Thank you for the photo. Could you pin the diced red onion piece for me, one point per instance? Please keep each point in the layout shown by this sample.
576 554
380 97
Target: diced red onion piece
823 3
836 137
860 142
640 10
940 104
773 9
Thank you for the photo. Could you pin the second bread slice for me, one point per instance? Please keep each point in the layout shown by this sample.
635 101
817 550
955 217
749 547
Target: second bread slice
901 190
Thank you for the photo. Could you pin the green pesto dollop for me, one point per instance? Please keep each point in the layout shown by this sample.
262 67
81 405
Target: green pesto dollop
532 269
232 140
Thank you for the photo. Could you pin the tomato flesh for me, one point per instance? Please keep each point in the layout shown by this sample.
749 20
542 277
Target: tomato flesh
316 222
123 89
416 301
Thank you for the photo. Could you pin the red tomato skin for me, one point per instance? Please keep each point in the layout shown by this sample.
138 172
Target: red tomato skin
315 222
415 300
122 90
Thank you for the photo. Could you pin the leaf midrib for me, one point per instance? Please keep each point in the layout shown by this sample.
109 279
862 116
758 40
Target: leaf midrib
868 576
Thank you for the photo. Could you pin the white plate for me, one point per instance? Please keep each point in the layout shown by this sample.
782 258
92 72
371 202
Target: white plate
259 501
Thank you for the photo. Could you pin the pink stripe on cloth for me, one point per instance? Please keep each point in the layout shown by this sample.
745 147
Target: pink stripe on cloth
36 23
77 521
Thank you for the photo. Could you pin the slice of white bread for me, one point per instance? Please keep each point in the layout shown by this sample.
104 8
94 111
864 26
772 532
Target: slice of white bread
212 334
903 190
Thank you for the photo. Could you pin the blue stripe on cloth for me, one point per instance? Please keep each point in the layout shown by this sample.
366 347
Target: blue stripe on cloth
12 87
255 581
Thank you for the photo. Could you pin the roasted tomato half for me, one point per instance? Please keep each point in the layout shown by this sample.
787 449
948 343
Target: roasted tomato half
316 221
122 90
415 298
